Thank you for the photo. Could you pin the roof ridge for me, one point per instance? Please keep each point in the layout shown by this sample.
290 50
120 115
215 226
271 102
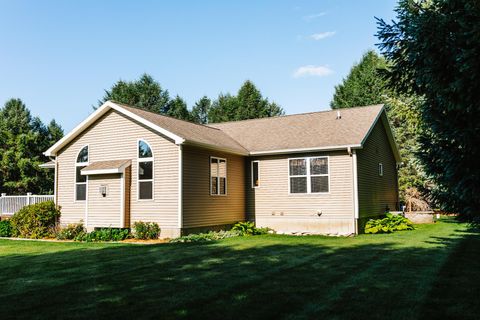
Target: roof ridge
162 115
295 114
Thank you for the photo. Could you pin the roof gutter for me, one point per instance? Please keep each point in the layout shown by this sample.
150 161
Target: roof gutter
302 150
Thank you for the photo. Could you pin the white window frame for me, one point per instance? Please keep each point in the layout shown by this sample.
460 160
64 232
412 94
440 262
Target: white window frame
81 164
309 176
149 159
380 169
218 194
258 173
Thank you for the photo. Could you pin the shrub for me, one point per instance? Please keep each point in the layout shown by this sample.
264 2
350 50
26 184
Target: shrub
388 224
248 228
35 221
104 234
70 232
146 230
5 228
204 237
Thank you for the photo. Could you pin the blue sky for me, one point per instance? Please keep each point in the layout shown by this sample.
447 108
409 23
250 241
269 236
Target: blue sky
59 56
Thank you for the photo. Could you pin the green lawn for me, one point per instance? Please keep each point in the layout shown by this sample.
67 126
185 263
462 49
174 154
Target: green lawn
432 272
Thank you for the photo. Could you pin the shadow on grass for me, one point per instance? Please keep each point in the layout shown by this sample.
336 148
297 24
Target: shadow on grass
265 277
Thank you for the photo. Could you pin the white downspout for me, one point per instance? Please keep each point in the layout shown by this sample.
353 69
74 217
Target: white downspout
355 189
180 187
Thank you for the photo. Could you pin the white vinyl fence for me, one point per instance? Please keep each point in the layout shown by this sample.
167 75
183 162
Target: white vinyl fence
11 204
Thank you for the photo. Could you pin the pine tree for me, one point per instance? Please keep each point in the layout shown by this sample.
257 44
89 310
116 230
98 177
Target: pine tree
247 104
434 46
364 85
177 108
23 140
144 93
200 110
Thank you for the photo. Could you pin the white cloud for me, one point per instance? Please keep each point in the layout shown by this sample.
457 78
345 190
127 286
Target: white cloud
322 35
311 70
314 16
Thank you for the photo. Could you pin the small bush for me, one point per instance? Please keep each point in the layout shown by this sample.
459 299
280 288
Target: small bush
70 232
248 228
5 228
205 237
35 221
104 234
146 230
388 224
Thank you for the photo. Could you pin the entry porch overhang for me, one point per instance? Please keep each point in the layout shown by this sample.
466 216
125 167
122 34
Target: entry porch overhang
105 167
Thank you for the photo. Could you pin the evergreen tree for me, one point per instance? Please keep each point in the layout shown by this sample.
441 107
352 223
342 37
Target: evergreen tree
223 109
364 85
23 140
200 110
177 108
144 93
435 46
247 104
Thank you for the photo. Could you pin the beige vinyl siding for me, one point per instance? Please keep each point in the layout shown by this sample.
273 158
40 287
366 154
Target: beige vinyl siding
104 211
199 207
115 137
375 193
272 205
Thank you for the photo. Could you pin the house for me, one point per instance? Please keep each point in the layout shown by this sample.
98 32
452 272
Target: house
320 172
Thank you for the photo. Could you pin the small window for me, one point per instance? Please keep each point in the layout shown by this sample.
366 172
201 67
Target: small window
218 176
144 150
380 169
255 175
145 171
81 180
309 175
83 155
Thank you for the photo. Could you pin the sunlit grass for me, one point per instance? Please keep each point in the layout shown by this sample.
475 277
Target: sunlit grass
405 275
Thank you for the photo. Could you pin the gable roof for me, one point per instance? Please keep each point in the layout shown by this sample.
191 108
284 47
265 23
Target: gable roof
179 131
304 132
313 131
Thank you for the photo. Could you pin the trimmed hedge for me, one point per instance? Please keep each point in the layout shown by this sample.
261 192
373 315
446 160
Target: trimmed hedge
35 221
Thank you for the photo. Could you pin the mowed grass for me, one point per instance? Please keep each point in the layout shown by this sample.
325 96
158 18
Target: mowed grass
432 272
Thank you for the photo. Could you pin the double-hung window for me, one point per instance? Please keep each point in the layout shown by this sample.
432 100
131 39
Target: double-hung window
218 176
145 171
309 175
81 180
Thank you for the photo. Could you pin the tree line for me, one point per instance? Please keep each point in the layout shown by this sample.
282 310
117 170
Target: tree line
428 79
23 139
147 93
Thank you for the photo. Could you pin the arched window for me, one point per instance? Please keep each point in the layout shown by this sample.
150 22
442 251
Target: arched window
145 171
80 180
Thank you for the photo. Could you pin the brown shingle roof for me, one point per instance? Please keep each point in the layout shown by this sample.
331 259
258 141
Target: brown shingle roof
308 130
106 165
191 132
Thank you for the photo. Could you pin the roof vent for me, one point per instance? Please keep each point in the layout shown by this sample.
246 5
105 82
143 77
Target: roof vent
339 116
